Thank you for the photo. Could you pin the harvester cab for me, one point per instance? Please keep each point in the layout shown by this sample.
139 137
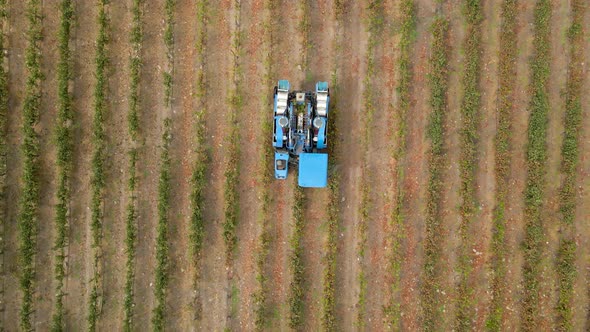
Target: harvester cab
300 129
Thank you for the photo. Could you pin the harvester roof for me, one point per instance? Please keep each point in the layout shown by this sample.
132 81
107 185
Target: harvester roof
313 170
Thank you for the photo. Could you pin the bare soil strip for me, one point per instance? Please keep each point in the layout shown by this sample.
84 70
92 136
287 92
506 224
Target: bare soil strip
351 67
151 113
16 80
180 293
481 229
250 121
215 291
560 55
515 204
581 296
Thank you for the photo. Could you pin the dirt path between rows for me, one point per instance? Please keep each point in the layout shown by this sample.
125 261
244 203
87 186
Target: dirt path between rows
16 43
515 204
381 169
485 179
350 71
151 114
253 115
214 285
180 296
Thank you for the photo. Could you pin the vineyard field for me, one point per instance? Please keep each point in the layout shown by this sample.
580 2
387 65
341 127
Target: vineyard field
137 187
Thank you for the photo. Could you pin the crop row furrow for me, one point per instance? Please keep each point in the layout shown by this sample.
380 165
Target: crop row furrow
135 61
503 142
396 220
162 244
232 171
265 170
161 282
162 250
470 107
536 162
132 128
329 277
331 245
64 136
436 162
3 143
566 267
200 167
231 196
98 160
297 269
298 287
375 28
29 202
